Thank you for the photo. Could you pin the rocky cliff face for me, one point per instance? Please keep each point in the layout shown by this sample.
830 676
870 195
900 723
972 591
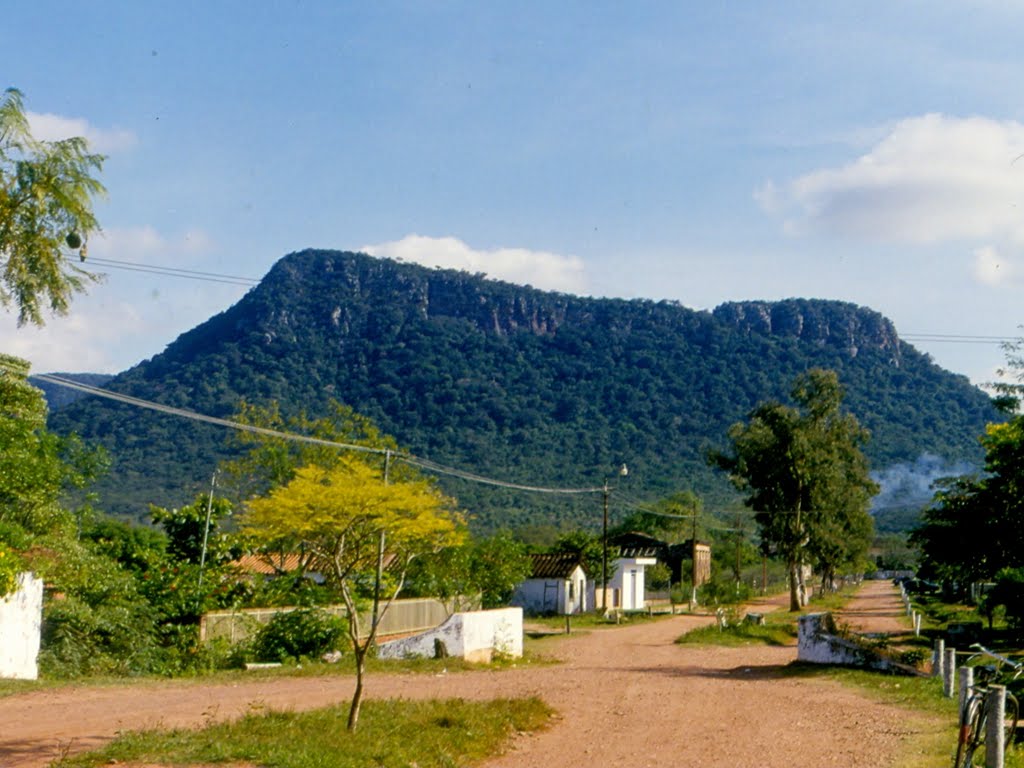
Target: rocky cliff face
825 323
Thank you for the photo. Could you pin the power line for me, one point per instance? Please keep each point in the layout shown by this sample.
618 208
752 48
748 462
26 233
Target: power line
191 274
425 464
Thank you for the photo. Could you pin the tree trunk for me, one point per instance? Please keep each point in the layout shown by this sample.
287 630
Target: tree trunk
357 695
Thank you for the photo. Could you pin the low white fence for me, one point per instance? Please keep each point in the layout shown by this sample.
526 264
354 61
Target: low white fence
405 616
21 621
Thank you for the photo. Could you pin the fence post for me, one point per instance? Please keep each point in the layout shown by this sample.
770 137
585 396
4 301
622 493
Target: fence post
995 704
966 681
917 624
938 657
949 673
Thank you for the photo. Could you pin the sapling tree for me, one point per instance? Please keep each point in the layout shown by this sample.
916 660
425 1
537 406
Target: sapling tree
345 517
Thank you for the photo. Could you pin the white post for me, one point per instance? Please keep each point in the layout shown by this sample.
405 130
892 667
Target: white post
966 681
917 624
949 673
938 657
995 704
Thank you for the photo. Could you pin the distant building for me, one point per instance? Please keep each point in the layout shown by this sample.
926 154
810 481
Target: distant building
628 580
557 584
672 555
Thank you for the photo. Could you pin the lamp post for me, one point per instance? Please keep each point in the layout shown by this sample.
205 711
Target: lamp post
623 471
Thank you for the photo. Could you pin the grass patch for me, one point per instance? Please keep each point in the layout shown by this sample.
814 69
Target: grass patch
392 734
742 633
591 620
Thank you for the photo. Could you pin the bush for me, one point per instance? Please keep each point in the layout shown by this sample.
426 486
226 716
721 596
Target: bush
723 592
9 568
1009 593
305 632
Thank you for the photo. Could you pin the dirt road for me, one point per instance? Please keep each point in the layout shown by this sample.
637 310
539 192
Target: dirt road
625 696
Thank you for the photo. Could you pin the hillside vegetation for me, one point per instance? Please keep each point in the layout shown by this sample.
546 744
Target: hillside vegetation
515 383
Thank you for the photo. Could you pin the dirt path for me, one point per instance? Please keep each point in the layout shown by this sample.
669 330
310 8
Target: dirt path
625 696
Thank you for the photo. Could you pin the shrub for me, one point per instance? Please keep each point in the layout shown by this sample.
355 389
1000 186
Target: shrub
9 569
723 592
305 632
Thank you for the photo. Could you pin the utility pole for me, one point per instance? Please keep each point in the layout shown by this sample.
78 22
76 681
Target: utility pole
604 551
206 536
693 557
380 554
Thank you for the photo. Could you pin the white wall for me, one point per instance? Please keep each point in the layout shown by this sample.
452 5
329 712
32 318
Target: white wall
629 581
21 621
475 636
553 595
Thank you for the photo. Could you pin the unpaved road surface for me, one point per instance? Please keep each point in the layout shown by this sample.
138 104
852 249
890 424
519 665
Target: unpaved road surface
627 696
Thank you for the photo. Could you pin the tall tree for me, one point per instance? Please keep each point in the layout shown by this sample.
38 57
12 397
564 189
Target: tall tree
973 529
46 195
35 464
806 479
343 516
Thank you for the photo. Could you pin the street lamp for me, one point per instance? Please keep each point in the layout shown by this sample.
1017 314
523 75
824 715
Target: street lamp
623 471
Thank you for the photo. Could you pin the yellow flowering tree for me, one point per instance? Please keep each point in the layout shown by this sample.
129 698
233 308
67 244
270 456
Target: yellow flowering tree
344 517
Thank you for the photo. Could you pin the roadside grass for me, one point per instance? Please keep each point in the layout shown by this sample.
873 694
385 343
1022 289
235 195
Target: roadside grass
779 628
391 734
593 620
776 630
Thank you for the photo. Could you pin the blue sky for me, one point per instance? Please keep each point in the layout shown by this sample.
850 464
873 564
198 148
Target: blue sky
699 152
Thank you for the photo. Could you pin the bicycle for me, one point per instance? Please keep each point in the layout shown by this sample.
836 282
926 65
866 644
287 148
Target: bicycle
974 712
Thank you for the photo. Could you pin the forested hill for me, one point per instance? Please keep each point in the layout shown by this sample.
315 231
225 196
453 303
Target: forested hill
515 383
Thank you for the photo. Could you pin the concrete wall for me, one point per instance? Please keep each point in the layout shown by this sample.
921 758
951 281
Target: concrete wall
818 643
21 621
474 636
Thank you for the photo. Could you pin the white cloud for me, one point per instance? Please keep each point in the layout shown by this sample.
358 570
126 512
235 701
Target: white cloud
930 179
51 127
541 269
81 341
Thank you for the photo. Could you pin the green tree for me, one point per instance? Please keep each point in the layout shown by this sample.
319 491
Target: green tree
36 466
973 529
805 478
590 548
194 532
347 517
489 568
271 461
46 194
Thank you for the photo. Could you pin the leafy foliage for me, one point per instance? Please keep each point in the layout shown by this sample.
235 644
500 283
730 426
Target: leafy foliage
490 568
46 194
347 517
514 383
305 632
973 529
805 477
9 569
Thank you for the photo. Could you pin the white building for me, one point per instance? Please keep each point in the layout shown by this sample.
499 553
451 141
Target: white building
557 584
627 583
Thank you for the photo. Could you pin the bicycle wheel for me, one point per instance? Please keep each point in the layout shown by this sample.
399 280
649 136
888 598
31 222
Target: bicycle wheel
1012 714
972 732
